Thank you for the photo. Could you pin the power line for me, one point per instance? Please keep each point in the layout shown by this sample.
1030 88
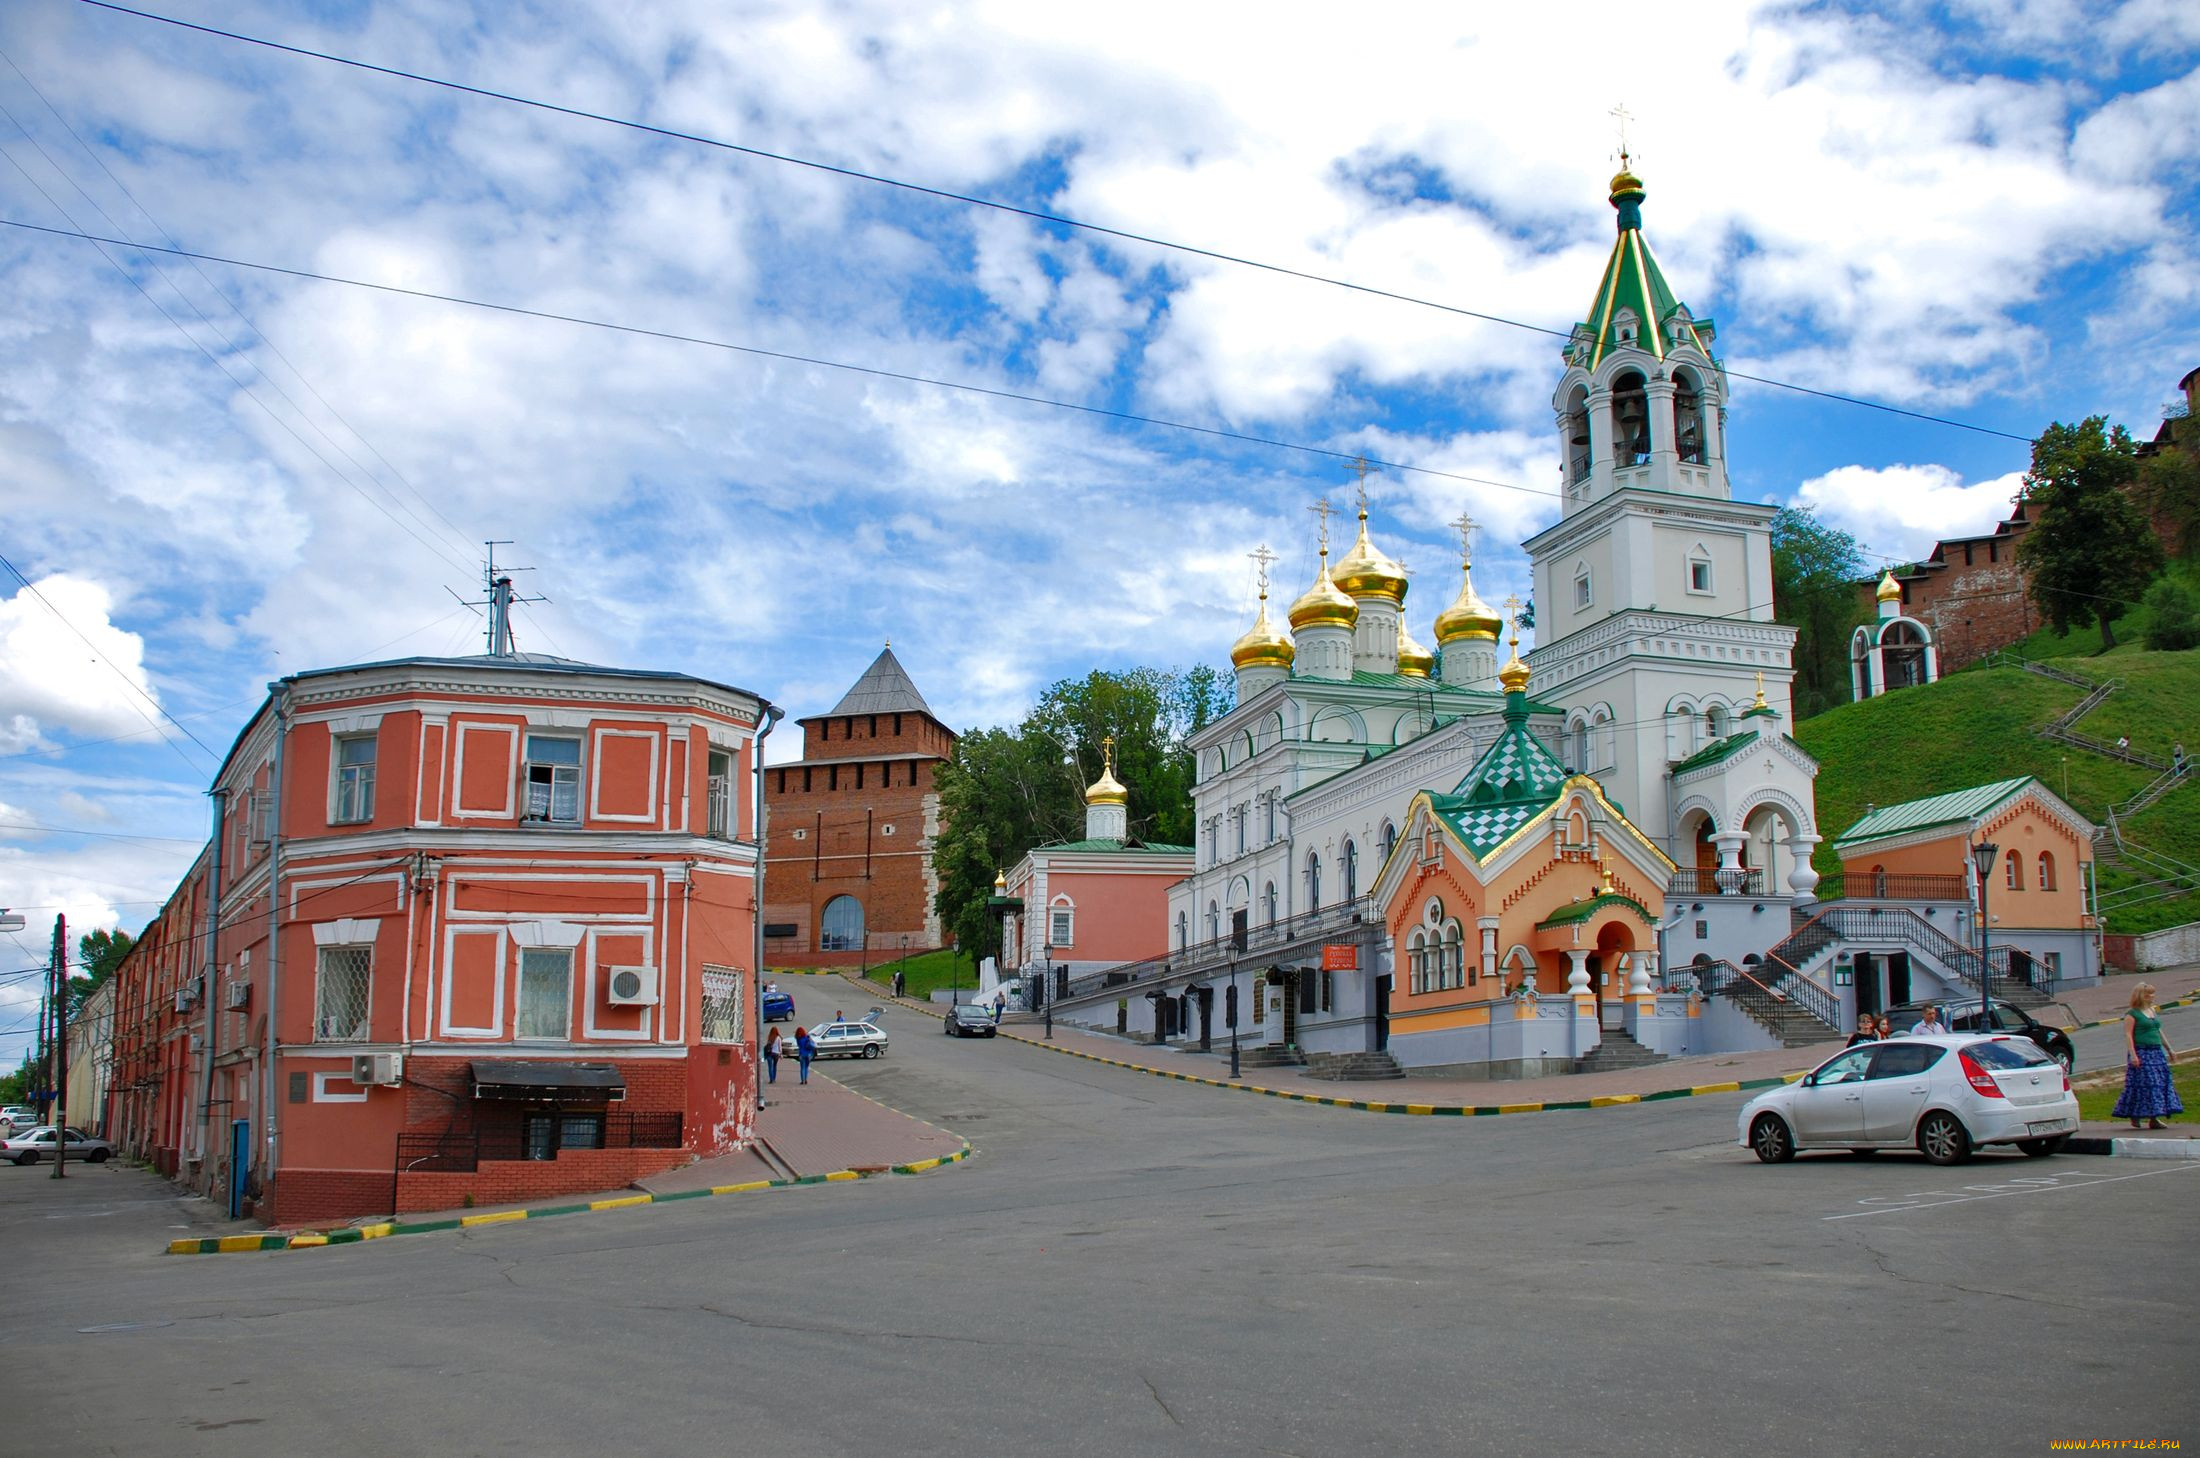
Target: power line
216 360
670 336
232 304
971 200
100 834
32 589
114 738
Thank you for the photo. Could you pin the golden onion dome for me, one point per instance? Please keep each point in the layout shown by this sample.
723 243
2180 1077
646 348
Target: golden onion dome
1107 790
1514 675
1624 181
1414 661
1468 616
1366 572
1263 646
1323 606
1889 589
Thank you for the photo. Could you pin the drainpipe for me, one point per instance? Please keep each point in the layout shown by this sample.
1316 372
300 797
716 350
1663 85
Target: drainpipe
213 954
270 1101
772 715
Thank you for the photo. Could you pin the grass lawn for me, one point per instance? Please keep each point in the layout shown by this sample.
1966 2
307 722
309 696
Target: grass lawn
1977 726
2095 1104
926 970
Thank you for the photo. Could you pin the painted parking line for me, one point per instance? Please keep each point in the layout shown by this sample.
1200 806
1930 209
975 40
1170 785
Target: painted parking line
1999 1190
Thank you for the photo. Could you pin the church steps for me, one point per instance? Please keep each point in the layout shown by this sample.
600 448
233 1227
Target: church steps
1353 1067
1618 1050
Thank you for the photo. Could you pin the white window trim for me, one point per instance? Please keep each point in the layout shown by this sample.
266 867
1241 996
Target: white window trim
519 995
1061 922
1584 589
1700 556
336 768
580 777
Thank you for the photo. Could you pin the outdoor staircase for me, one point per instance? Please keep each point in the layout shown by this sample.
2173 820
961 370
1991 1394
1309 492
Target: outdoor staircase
1793 1025
1618 1050
1264 1056
1353 1067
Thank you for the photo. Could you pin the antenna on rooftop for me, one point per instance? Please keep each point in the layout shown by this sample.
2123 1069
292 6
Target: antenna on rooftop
498 581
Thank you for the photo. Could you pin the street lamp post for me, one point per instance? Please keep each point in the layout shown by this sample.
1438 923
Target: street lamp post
1046 992
1232 1009
1983 856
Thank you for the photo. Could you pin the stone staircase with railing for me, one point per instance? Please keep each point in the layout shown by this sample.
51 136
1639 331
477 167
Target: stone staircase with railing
1793 1023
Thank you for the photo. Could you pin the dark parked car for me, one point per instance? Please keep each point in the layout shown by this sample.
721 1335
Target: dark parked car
778 1007
969 1020
2007 1018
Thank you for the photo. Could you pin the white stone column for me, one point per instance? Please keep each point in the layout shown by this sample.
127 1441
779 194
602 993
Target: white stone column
1600 441
1488 925
1730 843
1802 880
1664 450
1577 979
1638 972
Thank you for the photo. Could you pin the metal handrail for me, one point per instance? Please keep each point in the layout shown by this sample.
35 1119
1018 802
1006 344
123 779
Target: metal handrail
1360 910
1866 886
1705 881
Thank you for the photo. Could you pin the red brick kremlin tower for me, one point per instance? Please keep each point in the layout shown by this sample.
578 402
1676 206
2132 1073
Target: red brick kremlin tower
848 875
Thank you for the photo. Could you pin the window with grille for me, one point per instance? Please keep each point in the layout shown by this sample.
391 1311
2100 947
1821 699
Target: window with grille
721 795
553 779
340 980
546 993
721 1004
354 779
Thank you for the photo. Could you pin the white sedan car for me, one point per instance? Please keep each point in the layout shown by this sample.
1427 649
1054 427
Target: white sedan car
1945 1095
44 1142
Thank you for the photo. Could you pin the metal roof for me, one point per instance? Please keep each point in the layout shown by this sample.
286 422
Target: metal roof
1957 807
885 688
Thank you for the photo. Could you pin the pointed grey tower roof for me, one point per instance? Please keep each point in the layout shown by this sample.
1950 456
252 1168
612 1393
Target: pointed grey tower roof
885 688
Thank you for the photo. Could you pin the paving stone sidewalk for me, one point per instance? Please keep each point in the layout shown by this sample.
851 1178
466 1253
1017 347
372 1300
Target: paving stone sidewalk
818 1128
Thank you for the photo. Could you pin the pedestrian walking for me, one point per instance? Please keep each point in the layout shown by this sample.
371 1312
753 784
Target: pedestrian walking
1000 1000
771 1057
2148 1092
2123 742
2177 765
897 984
805 1048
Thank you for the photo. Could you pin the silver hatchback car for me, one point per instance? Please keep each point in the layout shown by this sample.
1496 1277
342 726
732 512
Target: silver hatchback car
849 1040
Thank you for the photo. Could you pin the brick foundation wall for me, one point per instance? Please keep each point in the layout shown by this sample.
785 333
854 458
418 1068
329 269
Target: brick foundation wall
505 1182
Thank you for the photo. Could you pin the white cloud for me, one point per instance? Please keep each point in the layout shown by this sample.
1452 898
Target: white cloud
1901 511
53 681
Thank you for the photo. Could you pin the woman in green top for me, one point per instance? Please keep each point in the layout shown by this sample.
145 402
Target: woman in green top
2148 1092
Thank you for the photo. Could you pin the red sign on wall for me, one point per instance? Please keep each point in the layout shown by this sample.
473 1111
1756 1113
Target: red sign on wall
1340 957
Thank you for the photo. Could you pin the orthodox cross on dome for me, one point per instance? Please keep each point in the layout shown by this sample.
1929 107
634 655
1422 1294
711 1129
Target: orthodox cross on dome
1261 558
1622 116
1321 508
1362 470
1466 526
1107 750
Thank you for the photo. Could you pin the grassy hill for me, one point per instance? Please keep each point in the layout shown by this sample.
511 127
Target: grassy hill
1977 726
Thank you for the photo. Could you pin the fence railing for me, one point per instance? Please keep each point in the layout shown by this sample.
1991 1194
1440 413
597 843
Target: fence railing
1710 881
1867 886
1345 915
462 1151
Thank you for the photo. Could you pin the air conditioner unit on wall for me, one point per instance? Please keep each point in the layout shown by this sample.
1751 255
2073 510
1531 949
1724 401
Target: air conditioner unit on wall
384 1070
187 996
631 986
238 994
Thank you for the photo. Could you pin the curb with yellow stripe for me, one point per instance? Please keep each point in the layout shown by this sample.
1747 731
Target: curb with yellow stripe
352 1235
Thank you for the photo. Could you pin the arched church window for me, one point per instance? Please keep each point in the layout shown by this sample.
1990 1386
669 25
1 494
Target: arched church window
1389 840
1688 417
2047 871
1214 922
1183 933
1455 960
1714 721
1603 745
1630 421
1577 437
1268 895
1351 871
1417 961
1313 881
2013 871
841 928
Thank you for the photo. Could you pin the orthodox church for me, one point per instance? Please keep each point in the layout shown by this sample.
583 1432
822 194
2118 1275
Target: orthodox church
1497 871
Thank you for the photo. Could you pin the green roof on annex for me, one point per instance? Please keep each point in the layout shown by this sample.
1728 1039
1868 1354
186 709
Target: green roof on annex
1633 282
1957 807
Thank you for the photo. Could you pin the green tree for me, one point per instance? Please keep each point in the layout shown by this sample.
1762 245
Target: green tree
1008 790
1815 568
2091 551
98 953
2173 616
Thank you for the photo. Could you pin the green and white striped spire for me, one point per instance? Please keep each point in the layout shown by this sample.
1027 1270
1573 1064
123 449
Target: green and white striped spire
1633 282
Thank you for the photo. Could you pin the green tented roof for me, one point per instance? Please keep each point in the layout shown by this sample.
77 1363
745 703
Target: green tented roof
1632 280
1957 807
1515 780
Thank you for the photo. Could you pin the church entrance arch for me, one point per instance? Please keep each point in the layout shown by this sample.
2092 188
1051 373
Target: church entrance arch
1608 969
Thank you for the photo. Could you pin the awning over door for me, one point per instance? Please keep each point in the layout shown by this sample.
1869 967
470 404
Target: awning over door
518 1079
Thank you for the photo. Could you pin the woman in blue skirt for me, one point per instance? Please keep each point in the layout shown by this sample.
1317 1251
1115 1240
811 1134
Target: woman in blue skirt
2148 1092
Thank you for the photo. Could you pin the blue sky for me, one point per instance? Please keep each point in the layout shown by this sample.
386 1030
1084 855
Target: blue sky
1978 210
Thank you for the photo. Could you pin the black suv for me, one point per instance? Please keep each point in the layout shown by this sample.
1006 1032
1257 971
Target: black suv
969 1020
1963 1017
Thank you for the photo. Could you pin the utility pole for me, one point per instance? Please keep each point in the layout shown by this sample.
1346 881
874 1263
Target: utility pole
60 1045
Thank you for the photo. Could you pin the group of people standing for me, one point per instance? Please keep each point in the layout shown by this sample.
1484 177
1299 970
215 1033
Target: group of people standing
805 1049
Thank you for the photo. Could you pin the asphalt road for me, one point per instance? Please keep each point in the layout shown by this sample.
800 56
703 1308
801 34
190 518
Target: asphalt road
1134 1265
